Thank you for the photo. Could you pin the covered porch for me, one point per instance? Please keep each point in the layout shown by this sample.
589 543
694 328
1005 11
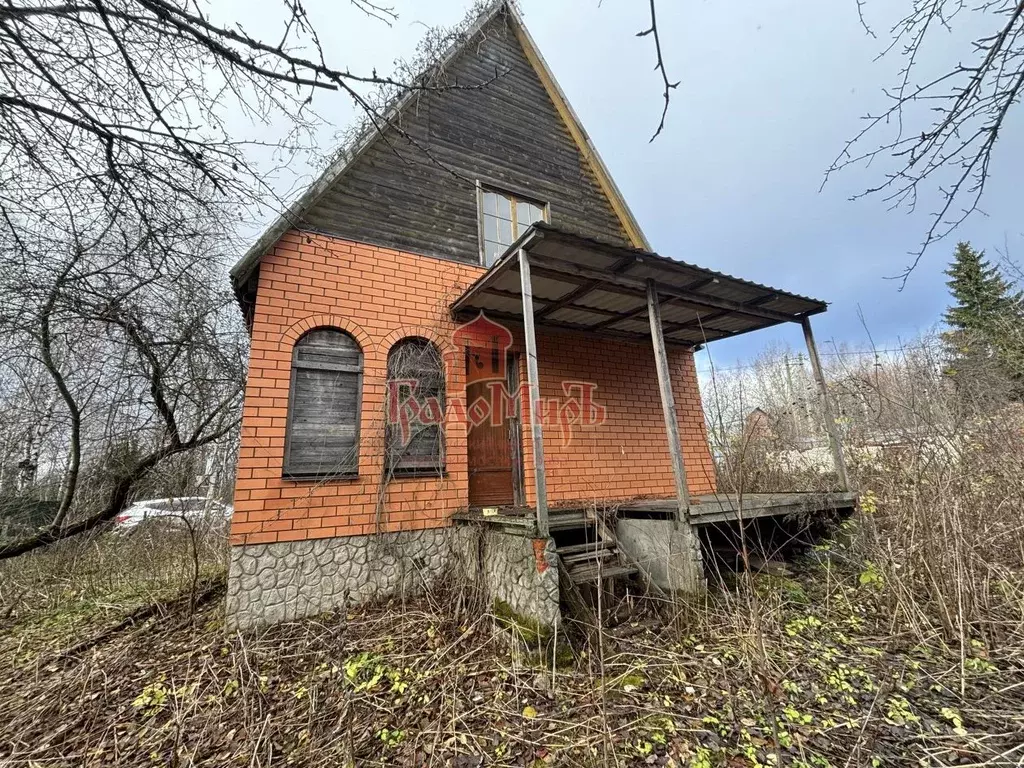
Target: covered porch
560 281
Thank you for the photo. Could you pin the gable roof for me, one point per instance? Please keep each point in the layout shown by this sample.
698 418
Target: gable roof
290 218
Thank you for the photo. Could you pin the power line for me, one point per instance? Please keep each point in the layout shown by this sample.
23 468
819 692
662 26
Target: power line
839 353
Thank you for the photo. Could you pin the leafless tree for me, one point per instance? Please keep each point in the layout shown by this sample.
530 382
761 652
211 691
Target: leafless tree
142 352
121 184
942 129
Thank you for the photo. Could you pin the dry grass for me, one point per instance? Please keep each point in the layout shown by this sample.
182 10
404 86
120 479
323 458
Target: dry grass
827 675
904 645
105 577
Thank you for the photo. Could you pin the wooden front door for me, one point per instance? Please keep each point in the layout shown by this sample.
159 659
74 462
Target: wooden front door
495 468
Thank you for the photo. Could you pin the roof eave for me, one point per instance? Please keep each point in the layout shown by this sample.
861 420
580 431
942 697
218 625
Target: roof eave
720 305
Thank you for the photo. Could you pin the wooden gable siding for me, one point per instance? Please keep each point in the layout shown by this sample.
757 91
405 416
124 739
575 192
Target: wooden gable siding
508 135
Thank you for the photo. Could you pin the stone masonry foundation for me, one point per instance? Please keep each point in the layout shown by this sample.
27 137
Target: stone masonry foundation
270 583
285 581
517 574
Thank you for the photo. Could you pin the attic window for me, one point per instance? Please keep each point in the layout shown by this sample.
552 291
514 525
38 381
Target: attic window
505 217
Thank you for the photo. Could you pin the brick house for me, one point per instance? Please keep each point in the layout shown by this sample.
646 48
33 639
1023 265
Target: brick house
477 247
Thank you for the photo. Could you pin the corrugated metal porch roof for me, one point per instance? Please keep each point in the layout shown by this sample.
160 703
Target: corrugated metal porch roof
586 285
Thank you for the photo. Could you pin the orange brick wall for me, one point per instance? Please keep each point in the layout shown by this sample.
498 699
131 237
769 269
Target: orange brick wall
628 456
381 296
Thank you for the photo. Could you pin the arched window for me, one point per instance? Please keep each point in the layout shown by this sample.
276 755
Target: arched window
415 408
324 406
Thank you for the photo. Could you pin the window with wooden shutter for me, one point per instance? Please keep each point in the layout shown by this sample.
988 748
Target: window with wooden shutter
416 404
323 413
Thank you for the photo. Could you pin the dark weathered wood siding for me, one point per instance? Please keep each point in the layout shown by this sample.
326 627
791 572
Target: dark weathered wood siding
508 135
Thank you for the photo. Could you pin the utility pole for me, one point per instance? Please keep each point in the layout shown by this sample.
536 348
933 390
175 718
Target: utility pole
805 400
790 397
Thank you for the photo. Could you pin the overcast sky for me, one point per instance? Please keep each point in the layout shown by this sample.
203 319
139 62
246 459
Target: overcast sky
769 93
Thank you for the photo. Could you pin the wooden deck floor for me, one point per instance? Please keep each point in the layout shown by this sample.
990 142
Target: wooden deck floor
704 510
720 508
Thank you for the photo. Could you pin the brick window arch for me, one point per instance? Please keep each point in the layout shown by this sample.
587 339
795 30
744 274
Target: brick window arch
415 443
324 406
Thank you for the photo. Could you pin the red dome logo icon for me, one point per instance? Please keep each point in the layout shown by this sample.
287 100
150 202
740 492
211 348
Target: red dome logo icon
487 344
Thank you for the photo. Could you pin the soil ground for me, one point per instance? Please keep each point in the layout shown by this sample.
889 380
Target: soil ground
803 670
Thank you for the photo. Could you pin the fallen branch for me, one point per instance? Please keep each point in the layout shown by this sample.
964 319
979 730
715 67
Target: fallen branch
209 589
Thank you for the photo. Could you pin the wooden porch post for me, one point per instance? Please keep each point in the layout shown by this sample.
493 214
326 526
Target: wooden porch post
536 428
668 404
826 406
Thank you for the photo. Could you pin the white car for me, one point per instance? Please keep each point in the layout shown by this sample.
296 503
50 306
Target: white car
194 509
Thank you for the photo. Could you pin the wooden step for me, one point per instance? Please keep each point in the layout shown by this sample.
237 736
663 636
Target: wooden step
591 573
590 546
590 556
565 520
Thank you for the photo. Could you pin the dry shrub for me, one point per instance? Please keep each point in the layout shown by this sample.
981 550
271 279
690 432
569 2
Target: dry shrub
944 528
938 460
109 574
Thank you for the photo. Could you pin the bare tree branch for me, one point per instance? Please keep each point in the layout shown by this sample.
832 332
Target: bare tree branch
943 133
659 66
119 100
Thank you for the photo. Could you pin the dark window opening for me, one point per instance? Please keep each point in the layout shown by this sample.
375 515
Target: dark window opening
415 409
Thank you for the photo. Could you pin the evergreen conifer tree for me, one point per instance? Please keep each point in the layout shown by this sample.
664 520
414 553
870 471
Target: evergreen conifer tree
987 319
